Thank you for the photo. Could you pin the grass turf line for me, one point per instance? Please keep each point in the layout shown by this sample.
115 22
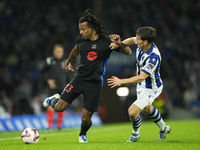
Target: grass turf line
185 135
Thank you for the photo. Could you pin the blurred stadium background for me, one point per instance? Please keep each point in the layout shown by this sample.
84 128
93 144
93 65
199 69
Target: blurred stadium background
29 29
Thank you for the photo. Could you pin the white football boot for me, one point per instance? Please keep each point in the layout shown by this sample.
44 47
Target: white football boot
83 139
47 101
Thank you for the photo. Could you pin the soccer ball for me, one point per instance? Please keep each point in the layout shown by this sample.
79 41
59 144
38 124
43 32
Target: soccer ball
30 136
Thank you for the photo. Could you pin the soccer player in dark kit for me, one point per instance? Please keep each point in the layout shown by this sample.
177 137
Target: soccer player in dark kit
94 49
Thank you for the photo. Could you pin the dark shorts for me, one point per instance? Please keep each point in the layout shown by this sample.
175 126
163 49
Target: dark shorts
91 91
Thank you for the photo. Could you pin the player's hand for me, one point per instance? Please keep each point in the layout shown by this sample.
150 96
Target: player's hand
113 82
115 38
113 46
52 84
69 67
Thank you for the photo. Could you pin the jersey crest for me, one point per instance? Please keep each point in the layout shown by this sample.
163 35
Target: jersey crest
143 57
94 46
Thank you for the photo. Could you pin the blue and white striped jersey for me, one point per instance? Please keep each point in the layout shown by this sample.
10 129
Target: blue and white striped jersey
149 62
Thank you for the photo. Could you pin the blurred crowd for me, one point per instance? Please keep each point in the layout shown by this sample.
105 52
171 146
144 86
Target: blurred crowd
29 29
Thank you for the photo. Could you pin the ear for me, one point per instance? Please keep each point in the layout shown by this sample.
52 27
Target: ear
92 30
146 42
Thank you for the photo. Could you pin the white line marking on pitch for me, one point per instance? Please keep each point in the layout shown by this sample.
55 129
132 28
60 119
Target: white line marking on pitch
64 133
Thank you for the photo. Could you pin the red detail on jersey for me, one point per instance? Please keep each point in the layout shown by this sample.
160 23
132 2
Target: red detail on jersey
92 56
78 66
69 88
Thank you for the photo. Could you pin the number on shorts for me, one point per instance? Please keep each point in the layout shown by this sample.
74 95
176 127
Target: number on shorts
69 88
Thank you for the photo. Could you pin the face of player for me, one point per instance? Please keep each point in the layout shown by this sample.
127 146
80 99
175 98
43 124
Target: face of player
85 31
140 42
58 52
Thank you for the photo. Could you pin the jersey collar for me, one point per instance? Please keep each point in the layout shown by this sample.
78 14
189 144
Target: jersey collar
151 49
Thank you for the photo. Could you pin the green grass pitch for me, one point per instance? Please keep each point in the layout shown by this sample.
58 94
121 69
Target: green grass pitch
185 135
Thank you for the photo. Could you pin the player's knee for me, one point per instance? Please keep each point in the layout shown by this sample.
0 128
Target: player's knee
86 120
132 113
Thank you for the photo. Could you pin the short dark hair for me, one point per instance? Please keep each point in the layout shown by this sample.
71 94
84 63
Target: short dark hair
92 22
147 33
57 45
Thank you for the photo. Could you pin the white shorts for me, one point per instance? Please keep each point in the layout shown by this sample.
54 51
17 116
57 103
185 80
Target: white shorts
145 97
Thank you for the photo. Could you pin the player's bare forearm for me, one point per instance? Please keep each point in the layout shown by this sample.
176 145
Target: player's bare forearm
132 80
129 41
114 81
74 53
124 49
135 79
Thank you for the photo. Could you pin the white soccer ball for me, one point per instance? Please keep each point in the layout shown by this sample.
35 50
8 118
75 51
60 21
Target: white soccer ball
30 136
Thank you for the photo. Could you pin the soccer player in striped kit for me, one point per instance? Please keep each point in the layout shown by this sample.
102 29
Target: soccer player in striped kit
149 83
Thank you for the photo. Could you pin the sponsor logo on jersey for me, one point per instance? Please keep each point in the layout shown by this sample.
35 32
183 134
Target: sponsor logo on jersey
92 56
94 46
150 66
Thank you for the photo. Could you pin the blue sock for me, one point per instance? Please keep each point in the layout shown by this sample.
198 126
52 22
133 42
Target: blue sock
136 124
157 119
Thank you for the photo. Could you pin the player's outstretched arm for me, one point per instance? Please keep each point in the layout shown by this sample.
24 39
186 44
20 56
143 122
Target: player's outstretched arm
74 53
123 48
129 41
114 81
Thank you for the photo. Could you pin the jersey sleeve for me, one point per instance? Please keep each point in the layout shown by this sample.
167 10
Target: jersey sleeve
151 65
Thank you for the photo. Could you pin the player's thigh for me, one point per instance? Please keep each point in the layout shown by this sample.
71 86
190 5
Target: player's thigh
71 91
145 97
143 100
91 95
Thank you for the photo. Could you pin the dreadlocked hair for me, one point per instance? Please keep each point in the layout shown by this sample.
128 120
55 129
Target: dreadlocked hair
92 22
